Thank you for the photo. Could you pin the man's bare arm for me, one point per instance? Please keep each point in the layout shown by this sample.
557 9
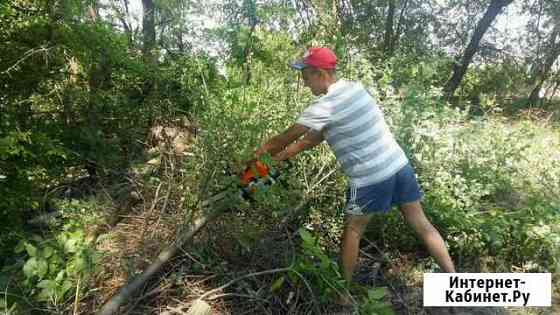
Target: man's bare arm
278 143
310 140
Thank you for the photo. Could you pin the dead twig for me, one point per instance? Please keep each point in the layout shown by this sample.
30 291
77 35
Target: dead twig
314 300
164 207
77 297
238 295
27 55
152 292
255 274
149 212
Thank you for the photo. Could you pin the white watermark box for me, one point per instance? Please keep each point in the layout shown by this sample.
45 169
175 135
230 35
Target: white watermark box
487 289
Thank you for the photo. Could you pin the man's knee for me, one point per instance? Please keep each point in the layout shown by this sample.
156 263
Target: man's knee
414 216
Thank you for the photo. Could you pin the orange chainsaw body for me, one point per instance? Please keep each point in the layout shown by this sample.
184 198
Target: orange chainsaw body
249 174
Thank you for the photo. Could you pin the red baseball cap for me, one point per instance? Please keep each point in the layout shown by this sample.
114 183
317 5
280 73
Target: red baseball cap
318 57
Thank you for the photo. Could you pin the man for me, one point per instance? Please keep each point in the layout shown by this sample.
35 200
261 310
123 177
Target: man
380 175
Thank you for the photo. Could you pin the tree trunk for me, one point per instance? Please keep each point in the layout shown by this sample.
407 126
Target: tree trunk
149 32
99 79
459 69
555 89
388 38
180 42
123 19
251 13
69 87
542 72
399 25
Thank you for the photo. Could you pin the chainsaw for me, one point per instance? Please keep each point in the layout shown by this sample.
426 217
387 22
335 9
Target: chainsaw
258 177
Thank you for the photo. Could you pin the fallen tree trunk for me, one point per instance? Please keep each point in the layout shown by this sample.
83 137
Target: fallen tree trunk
126 292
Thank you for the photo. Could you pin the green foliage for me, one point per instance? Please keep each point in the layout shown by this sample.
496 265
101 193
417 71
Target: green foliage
75 94
58 264
25 159
423 72
487 85
240 118
75 91
325 278
484 184
374 302
319 269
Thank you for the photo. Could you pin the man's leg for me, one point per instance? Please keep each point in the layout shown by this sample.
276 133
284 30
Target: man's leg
414 216
353 230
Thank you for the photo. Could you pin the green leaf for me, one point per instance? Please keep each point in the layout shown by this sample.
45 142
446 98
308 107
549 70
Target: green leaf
46 284
306 236
45 295
70 246
60 275
48 252
30 267
80 264
20 247
377 293
266 159
49 290
65 287
42 268
325 261
31 250
277 284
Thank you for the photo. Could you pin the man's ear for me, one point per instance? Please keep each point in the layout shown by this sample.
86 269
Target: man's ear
324 74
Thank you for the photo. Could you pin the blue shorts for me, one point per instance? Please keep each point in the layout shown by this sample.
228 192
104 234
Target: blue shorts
380 197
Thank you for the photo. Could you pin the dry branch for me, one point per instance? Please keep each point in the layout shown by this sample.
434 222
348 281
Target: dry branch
125 293
27 54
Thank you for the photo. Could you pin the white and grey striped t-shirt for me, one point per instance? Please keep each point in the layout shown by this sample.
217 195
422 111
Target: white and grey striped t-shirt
354 127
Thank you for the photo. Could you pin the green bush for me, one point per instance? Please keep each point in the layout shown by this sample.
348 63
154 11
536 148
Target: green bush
53 267
27 160
489 183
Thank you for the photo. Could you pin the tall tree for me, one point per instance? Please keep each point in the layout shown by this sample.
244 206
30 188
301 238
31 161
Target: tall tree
400 24
122 13
542 71
389 38
149 31
459 69
383 27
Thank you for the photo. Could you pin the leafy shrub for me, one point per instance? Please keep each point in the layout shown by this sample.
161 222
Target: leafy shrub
319 269
26 160
54 267
325 278
489 184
